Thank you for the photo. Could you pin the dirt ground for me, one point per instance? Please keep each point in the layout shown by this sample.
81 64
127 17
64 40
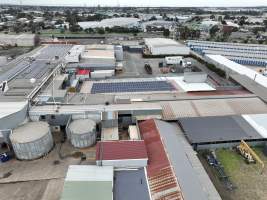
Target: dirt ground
249 182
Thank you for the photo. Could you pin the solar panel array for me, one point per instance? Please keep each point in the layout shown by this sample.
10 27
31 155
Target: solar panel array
245 54
142 86
36 70
54 50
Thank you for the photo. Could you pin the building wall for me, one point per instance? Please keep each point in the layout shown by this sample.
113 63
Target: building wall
227 145
195 77
13 120
169 50
19 40
130 163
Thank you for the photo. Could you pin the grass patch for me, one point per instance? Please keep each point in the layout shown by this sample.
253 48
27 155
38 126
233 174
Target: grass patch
230 160
249 182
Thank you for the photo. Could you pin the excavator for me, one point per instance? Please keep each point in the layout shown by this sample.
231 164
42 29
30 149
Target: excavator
250 156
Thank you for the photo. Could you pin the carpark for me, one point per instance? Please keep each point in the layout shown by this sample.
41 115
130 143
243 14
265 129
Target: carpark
134 65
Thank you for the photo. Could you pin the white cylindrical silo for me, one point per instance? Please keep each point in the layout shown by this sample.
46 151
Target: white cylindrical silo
31 140
82 133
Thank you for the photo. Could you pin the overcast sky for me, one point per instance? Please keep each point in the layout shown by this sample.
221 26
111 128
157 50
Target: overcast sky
177 3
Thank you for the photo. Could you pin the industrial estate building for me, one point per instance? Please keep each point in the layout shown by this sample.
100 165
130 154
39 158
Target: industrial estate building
164 46
245 54
19 40
127 22
105 134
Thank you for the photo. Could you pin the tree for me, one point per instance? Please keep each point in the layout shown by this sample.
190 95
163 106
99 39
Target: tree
265 23
74 28
166 32
153 18
101 31
213 31
59 21
17 28
212 17
226 17
62 30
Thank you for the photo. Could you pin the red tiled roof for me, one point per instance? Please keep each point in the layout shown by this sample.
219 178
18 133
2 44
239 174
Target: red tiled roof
120 150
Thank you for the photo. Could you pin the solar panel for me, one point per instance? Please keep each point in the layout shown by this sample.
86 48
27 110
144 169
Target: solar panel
120 87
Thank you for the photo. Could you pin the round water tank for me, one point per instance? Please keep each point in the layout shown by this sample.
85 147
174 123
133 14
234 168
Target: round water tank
31 140
82 133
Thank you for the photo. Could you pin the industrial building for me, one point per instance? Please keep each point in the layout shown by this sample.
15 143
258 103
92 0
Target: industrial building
164 46
100 60
121 154
83 181
126 22
241 74
111 135
231 67
158 168
130 86
23 40
245 54
131 185
192 82
170 163
220 131
12 114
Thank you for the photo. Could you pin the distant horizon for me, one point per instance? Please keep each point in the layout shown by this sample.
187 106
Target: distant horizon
144 3
125 6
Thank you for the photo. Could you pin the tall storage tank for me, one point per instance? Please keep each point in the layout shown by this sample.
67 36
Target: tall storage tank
31 140
82 133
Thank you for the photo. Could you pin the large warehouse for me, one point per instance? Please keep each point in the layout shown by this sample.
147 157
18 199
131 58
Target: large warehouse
245 54
164 46
26 40
127 22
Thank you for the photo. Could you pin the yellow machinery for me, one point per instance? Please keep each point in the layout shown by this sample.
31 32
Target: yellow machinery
247 152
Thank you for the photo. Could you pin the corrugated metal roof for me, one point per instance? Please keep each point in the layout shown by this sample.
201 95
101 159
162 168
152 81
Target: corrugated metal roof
81 190
155 149
183 168
172 110
239 69
217 129
131 185
8 108
89 173
120 150
162 180
259 122
158 42
86 181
